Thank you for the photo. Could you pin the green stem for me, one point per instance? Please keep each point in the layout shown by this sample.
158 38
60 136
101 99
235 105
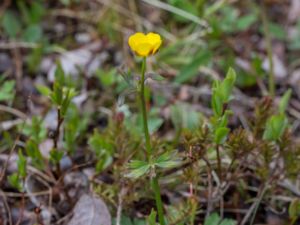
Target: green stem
154 181
269 50
159 204
144 110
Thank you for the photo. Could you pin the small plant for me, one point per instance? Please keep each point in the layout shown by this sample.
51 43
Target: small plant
60 96
221 94
144 46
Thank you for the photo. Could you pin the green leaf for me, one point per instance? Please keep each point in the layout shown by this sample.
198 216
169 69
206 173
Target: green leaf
7 91
135 164
213 8
217 103
183 116
213 219
152 218
176 116
59 74
284 101
75 124
157 77
103 148
221 92
66 102
14 181
228 222
294 209
44 90
100 144
191 70
275 127
227 85
244 22
11 24
137 168
277 31
221 135
107 78
25 15
167 160
37 11
34 58
228 19
21 165
56 156
154 123
105 161
32 33
34 153
57 95
127 221
35 130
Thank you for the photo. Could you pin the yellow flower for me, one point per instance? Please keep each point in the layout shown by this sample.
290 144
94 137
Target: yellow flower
144 44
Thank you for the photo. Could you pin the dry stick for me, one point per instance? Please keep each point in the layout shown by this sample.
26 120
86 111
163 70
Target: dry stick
22 205
18 65
254 207
15 45
221 181
8 158
7 207
221 201
57 131
219 163
18 195
120 205
192 197
209 206
2 174
13 111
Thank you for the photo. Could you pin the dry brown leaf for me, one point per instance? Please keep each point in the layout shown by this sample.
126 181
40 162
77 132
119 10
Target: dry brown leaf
90 210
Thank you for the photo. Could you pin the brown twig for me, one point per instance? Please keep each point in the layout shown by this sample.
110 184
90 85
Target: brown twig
13 111
3 172
22 205
7 207
209 206
219 160
57 131
18 67
56 137
120 204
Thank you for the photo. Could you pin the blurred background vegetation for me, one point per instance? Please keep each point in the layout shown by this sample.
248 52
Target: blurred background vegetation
260 39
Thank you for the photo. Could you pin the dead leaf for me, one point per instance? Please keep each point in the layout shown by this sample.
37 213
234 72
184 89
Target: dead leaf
294 10
73 61
280 70
90 210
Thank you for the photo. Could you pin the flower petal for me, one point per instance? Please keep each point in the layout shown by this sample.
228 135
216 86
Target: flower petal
136 39
154 40
144 49
144 45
